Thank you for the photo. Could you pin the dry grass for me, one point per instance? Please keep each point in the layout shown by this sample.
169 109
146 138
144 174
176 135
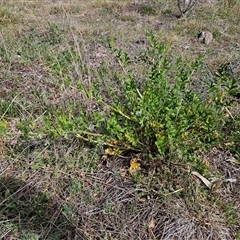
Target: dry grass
60 188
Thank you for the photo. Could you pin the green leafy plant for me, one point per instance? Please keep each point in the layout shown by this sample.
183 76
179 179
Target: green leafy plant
162 114
3 127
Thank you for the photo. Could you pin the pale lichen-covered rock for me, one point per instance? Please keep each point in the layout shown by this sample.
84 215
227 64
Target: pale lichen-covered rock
205 37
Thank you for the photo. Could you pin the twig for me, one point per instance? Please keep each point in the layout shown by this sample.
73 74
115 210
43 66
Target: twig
189 3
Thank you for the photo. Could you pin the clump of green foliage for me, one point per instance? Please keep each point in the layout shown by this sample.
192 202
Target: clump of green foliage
161 115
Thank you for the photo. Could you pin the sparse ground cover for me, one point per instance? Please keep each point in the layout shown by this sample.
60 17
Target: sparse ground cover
106 109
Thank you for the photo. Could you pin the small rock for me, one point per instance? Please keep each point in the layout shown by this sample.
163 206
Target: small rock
205 37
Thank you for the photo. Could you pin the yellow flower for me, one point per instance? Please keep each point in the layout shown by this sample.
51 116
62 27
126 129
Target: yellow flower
134 165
